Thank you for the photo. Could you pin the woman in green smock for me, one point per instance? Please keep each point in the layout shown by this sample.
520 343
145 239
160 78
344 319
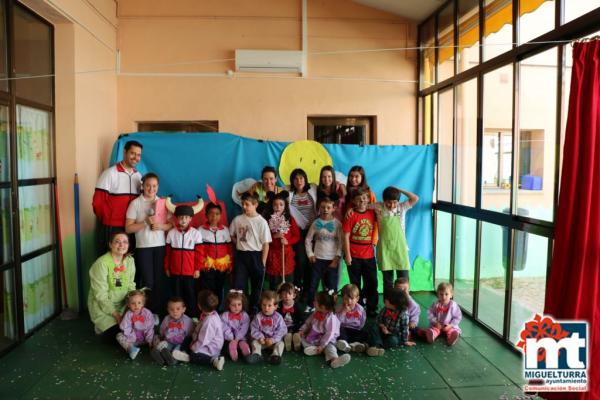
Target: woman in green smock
111 278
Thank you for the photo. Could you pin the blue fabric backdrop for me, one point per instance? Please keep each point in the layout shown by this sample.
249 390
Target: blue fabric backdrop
186 162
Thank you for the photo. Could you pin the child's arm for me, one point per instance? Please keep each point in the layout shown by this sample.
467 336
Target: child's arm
242 332
412 198
198 256
332 330
347 255
431 316
162 330
127 326
363 316
414 313
340 239
404 330
308 243
280 329
456 314
227 332
255 331
265 252
306 325
232 228
149 327
293 236
168 251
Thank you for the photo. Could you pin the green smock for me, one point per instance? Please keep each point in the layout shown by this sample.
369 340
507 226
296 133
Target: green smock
392 249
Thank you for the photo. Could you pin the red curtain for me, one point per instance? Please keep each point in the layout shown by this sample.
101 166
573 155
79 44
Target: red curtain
574 283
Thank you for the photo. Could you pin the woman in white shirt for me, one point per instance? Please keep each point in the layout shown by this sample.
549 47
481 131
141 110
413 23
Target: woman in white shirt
150 243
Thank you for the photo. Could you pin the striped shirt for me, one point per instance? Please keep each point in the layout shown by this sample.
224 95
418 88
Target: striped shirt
305 204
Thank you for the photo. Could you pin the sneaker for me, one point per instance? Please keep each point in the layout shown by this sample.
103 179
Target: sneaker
375 351
310 350
287 340
340 361
181 356
156 356
429 336
156 320
452 338
254 358
358 347
297 341
133 352
309 309
218 363
274 360
342 345
168 357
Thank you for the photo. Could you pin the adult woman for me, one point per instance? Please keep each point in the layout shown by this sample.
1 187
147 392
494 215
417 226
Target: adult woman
111 277
329 185
303 203
150 243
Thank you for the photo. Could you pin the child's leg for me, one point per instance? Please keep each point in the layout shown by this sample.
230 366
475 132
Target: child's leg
144 275
302 271
390 341
161 288
369 275
432 333
354 275
256 355
188 287
332 358
331 277
240 270
315 278
244 348
122 340
257 276
200 358
357 335
374 337
388 279
452 336
402 273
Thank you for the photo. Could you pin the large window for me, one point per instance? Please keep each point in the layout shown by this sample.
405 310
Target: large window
28 260
497 111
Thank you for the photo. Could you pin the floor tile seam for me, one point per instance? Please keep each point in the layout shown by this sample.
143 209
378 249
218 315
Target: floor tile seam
490 362
439 373
378 377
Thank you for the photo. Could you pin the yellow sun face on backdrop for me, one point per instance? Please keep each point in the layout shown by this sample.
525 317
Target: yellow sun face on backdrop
309 155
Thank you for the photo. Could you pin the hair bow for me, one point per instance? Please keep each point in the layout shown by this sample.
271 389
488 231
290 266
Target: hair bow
329 226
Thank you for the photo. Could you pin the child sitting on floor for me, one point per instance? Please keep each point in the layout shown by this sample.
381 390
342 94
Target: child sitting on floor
321 329
391 328
236 323
174 329
292 314
352 318
444 316
414 310
137 325
267 330
207 340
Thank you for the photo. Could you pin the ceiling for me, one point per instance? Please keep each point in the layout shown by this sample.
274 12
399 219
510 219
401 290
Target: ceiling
417 10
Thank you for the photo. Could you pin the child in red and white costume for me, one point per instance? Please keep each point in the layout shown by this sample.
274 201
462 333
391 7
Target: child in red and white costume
218 252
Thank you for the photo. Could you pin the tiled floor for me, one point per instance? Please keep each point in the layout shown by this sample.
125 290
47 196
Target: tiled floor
65 360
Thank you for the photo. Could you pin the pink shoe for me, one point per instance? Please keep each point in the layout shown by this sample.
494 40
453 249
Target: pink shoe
429 335
452 337
233 353
245 348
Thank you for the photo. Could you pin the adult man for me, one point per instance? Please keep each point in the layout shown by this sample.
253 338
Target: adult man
117 186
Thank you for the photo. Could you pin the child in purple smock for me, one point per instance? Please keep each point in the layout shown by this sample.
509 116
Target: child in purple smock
321 330
174 329
236 323
444 316
137 325
352 318
267 330
207 339
414 310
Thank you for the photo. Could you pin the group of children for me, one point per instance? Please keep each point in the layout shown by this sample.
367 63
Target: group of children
264 247
281 325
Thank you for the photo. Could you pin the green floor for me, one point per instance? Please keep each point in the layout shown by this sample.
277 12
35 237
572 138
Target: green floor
65 360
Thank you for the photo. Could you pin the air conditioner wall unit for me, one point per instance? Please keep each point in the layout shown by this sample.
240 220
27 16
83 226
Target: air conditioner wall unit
268 61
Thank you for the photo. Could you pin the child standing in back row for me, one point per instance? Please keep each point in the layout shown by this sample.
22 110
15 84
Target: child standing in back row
252 236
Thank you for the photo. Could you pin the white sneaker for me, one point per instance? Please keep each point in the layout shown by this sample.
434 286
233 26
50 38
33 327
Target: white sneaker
297 341
375 351
342 345
358 347
309 309
133 352
310 350
287 340
218 363
341 361
156 320
181 356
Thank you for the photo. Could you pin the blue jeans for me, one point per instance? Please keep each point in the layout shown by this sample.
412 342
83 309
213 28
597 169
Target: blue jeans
321 270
